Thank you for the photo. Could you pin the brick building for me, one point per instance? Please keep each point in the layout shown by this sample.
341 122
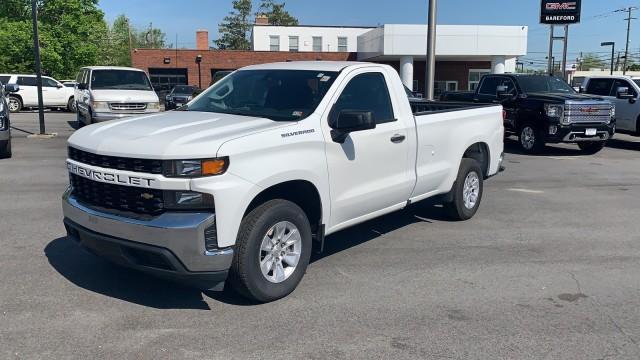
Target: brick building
463 52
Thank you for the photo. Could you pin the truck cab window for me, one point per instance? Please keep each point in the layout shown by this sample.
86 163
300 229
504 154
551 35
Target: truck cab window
366 92
622 83
489 85
600 87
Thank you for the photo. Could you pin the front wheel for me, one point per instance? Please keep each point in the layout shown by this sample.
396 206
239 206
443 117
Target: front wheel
467 191
273 251
5 150
531 140
591 148
15 104
72 106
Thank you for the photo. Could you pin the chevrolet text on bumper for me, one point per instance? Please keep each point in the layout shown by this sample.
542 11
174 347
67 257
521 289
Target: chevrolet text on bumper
225 190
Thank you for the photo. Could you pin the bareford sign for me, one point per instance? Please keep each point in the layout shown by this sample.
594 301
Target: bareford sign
557 12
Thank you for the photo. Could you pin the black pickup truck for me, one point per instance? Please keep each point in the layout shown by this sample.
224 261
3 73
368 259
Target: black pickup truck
543 109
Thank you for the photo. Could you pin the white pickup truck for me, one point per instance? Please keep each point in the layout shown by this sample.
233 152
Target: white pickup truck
240 184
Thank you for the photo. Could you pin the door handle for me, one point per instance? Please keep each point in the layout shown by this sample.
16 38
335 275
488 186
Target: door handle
397 138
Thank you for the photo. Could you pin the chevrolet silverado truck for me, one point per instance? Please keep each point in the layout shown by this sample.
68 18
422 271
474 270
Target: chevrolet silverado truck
240 184
543 109
624 92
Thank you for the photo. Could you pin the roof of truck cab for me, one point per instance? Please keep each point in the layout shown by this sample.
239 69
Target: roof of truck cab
310 65
111 68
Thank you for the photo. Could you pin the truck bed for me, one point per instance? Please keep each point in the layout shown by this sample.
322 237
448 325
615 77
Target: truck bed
429 107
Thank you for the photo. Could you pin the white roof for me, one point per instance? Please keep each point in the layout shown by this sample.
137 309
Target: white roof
111 68
308 65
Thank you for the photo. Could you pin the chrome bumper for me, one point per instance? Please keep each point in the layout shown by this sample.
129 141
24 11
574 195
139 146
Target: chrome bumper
182 234
105 116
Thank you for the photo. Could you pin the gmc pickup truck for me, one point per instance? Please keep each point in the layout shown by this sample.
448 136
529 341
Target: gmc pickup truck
543 109
239 185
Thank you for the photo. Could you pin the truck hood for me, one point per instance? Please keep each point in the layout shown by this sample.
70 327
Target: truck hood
561 98
168 135
124 95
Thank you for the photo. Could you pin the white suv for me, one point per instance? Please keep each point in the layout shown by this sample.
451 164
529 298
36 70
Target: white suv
54 94
106 93
624 92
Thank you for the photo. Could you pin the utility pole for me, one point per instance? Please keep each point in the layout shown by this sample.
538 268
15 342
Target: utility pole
626 51
36 52
431 51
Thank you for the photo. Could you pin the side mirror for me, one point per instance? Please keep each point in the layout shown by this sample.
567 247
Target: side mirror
623 93
59 86
349 121
81 86
11 88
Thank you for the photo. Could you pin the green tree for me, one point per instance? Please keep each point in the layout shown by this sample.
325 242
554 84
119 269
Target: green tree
72 33
276 13
234 29
592 61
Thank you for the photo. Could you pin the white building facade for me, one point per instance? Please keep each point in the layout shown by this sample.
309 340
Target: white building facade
463 52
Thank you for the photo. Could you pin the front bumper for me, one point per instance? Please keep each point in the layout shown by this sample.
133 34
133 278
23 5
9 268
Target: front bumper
170 245
577 133
105 116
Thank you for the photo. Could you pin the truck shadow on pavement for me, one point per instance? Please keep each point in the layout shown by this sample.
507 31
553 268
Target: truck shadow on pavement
623 145
100 276
511 146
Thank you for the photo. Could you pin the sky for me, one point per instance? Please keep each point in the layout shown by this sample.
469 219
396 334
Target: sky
599 23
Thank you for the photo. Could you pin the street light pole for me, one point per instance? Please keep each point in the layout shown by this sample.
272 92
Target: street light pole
36 52
613 50
431 52
198 61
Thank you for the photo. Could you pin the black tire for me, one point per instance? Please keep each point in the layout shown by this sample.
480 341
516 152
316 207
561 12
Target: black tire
79 119
71 105
5 150
245 275
455 208
531 139
15 104
591 148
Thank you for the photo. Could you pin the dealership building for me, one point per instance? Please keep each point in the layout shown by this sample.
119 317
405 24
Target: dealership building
463 52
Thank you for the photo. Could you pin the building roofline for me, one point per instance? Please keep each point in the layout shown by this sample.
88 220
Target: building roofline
320 26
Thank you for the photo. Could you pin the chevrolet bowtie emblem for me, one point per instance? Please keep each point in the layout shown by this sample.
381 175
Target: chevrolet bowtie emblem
146 196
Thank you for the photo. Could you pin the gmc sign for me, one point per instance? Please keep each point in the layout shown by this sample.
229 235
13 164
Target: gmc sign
558 12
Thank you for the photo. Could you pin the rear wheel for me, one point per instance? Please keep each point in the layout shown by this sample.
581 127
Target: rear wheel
531 139
273 251
467 191
591 148
15 104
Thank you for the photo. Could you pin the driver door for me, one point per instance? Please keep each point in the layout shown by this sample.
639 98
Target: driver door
371 172
625 110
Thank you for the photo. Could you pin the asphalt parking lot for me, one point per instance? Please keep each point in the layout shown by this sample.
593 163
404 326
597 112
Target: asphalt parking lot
548 269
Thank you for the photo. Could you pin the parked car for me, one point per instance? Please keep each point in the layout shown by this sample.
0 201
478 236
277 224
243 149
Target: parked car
5 124
54 94
178 96
624 92
241 180
106 93
543 109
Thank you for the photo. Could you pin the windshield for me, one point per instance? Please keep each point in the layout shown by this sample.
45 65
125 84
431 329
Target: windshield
544 84
284 95
120 80
182 89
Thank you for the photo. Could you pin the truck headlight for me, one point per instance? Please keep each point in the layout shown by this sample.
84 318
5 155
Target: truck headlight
153 106
187 200
195 168
555 111
100 106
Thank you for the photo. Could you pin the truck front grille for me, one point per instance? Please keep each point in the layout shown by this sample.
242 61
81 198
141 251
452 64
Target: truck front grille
117 197
583 113
128 106
119 163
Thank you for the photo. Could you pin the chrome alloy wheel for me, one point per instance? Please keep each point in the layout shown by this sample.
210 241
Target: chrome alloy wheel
13 104
471 190
527 137
280 252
